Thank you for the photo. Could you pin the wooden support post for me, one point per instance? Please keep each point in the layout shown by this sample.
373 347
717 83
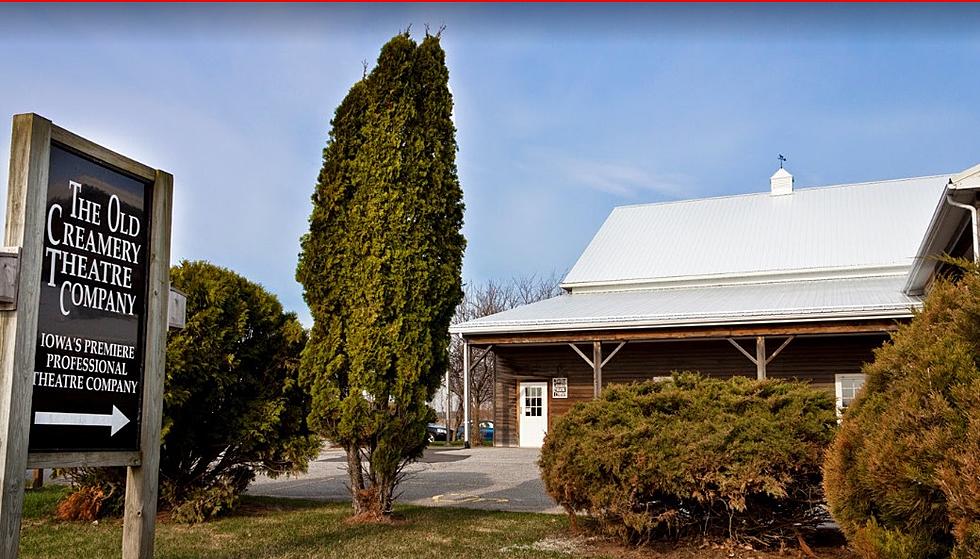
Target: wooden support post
760 357
469 369
37 479
449 405
466 394
27 192
140 514
760 360
493 402
596 369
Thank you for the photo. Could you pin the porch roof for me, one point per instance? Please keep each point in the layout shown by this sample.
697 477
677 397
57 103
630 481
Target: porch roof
857 298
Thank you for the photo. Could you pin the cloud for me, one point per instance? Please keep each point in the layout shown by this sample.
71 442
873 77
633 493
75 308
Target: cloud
611 177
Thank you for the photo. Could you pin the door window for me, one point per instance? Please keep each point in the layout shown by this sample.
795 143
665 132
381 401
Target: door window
532 401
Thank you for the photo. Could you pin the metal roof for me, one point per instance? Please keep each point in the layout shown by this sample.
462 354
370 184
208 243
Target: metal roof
864 225
740 303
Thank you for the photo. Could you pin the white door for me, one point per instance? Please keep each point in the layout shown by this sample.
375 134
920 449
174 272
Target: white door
533 413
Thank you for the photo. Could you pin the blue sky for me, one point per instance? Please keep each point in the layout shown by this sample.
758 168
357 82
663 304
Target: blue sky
563 111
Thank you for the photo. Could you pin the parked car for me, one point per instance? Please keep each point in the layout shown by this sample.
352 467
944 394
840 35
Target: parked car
437 432
486 432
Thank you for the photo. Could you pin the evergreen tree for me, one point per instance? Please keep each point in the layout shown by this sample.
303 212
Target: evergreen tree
902 476
232 406
381 266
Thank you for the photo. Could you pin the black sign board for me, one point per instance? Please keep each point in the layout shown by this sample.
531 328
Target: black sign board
88 375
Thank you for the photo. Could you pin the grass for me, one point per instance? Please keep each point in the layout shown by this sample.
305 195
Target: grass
268 528
286 528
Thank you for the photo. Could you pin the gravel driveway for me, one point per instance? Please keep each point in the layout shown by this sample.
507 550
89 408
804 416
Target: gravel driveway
481 478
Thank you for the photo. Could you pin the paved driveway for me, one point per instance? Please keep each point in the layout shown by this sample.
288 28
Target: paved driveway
481 478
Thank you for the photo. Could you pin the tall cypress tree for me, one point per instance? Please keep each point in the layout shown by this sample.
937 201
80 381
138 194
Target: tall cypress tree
381 266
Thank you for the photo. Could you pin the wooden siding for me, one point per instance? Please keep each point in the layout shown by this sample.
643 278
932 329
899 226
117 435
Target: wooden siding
816 359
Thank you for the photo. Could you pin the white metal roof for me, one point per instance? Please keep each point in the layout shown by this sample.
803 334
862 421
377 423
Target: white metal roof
864 225
741 303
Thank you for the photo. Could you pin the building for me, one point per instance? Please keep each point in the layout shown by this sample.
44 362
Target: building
790 283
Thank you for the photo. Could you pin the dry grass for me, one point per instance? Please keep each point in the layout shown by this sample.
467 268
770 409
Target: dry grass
265 528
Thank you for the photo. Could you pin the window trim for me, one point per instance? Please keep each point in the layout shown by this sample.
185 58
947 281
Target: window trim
839 379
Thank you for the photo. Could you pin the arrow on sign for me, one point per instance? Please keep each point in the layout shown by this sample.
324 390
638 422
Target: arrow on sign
116 420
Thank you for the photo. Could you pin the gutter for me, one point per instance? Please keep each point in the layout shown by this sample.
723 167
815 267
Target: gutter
894 313
973 216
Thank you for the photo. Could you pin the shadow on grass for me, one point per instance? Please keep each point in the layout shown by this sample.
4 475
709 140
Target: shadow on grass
423 532
251 505
257 506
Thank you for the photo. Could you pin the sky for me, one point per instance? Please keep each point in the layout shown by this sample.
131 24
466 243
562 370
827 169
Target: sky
563 111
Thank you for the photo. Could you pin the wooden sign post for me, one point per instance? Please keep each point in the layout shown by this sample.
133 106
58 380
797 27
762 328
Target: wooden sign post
83 338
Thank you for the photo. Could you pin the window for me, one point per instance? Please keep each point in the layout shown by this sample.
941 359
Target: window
847 388
532 401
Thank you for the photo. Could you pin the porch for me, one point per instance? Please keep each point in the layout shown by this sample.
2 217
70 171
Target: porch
585 362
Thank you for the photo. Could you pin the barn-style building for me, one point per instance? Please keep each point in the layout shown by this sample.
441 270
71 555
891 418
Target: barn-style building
799 283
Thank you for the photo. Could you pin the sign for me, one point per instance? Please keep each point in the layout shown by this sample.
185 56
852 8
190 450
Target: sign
559 387
84 285
88 366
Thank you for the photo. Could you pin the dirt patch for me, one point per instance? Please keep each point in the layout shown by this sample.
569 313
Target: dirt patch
565 546
715 551
593 546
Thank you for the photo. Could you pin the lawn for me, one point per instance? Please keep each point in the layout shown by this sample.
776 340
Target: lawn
285 528
267 528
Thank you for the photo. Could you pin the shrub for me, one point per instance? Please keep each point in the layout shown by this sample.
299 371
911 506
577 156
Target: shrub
692 457
902 476
232 403
86 503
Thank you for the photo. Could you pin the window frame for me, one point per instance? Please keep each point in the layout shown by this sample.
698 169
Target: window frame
839 380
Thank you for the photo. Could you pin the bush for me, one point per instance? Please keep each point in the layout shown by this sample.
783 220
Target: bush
902 476
694 457
86 502
232 403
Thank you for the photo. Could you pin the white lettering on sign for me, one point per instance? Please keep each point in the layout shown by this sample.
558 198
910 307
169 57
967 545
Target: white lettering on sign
114 256
98 358
559 387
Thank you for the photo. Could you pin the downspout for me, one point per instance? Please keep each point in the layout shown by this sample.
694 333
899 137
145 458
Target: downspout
973 217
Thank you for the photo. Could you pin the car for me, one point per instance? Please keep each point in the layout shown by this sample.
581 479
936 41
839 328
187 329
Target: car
437 432
486 432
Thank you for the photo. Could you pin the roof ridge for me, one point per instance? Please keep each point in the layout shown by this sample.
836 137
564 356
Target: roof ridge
766 193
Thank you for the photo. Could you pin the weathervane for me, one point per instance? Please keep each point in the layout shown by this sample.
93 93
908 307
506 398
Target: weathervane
781 160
